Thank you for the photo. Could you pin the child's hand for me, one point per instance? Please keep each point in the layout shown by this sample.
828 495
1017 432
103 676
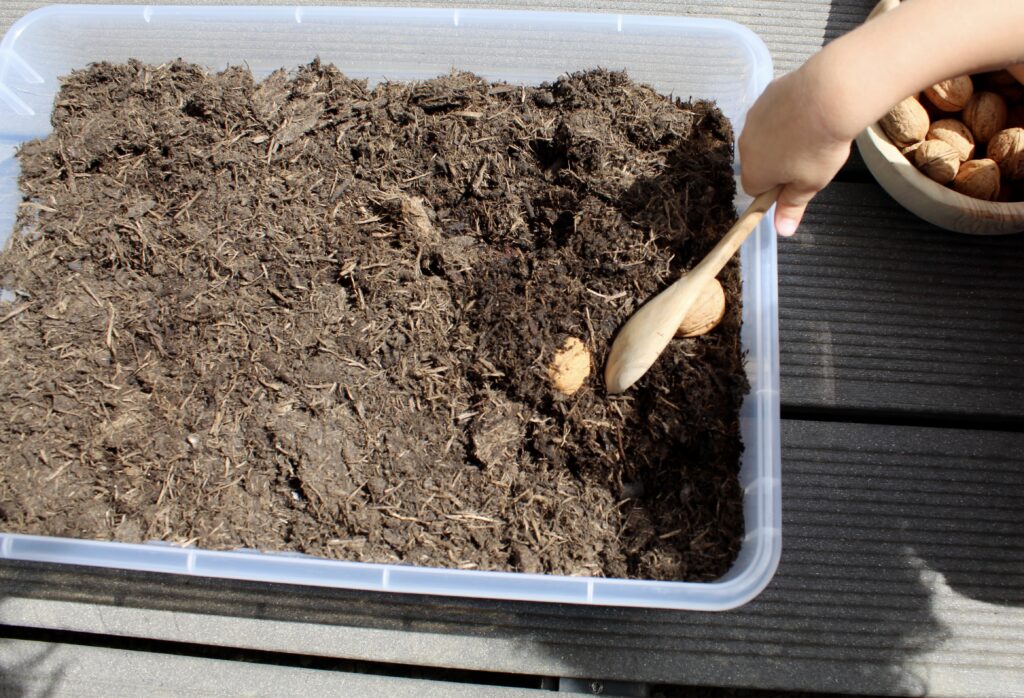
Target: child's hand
789 140
799 132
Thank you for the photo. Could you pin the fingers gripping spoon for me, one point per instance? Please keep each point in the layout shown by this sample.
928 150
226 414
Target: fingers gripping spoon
645 335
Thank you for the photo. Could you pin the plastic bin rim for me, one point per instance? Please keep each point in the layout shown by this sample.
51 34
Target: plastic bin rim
714 596
749 38
740 589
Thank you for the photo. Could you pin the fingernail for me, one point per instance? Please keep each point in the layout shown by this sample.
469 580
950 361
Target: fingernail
786 226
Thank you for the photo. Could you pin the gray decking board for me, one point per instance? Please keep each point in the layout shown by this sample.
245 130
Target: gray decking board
881 311
31 668
902 572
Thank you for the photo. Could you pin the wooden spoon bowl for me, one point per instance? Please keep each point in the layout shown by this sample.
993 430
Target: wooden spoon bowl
646 334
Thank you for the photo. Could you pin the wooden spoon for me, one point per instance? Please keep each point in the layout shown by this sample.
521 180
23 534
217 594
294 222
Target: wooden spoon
642 339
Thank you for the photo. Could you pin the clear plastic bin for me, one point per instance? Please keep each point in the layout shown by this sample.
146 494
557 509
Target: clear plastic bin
685 57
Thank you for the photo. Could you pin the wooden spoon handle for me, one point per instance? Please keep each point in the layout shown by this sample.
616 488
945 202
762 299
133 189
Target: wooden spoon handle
645 335
734 238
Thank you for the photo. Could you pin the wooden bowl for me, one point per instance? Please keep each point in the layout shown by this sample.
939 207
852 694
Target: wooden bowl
925 198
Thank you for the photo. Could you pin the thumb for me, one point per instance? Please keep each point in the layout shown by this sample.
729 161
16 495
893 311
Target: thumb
789 209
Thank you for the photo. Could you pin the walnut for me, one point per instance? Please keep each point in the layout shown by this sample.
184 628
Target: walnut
985 114
979 179
707 311
1007 149
952 94
938 160
906 123
909 151
956 134
570 366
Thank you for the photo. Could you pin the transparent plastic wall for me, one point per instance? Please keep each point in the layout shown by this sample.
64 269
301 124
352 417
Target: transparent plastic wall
684 57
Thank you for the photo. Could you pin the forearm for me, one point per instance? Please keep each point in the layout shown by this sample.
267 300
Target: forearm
859 76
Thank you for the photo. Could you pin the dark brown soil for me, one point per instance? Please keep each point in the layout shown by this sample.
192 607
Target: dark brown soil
308 315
